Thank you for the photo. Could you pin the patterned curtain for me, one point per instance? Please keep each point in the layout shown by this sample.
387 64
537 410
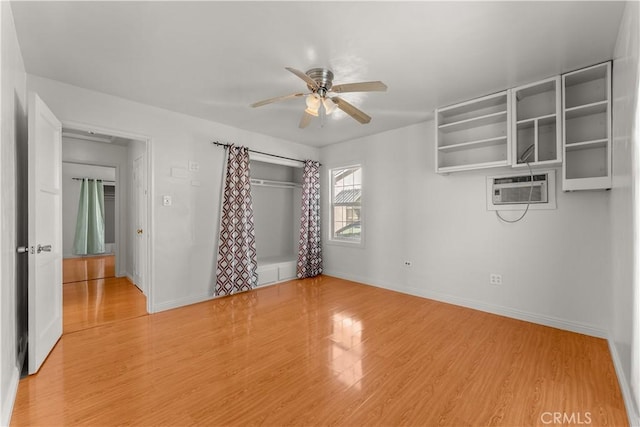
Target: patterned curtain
310 249
237 263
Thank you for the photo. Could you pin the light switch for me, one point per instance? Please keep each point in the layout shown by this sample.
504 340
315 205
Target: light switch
166 201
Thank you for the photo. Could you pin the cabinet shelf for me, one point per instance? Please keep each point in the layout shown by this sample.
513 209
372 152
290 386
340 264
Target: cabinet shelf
586 110
585 145
587 128
536 135
474 144
474 134
483 165
531 121
474 122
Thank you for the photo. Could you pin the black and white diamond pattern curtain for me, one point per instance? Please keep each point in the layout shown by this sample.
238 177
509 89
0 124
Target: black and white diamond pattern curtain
237 262
310 249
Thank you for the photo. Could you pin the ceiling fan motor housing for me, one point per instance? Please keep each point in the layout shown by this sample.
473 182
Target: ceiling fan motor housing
323 78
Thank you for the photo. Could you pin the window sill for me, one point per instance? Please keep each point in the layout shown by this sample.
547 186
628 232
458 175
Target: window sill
345 243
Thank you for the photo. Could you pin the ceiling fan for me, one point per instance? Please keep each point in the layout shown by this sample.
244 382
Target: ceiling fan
321 100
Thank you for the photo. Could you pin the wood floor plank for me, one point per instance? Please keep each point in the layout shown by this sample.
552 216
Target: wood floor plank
92 303
88 268
321 351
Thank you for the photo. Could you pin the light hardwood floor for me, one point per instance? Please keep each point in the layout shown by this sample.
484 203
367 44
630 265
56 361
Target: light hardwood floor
93 296
88 268
317 352
95 302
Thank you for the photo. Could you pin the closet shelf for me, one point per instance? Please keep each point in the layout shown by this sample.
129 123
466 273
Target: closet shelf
277 184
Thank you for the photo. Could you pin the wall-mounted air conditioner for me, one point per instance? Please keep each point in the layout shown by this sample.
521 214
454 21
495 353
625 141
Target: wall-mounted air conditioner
514 192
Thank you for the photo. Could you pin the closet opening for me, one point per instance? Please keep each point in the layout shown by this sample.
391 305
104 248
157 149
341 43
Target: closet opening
276 191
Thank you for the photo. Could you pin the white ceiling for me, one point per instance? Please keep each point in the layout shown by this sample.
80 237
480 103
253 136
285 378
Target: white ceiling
213 59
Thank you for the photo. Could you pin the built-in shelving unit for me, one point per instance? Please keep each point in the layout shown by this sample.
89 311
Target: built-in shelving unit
536 125
474 134
587 128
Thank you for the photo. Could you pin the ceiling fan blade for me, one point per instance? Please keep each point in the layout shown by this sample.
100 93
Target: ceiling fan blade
276 99
305 120
351 110
376 86
304 77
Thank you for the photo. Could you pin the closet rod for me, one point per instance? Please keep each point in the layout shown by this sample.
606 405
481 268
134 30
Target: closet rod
221 144
95 179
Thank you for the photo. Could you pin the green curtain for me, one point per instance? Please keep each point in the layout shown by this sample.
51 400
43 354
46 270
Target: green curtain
89 237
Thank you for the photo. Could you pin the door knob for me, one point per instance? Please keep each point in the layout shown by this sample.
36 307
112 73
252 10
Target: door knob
44 248
22 249
139 231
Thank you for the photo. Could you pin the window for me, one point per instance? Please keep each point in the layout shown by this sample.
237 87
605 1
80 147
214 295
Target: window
346 208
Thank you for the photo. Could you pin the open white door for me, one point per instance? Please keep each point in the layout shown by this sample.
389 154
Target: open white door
45 231
140 206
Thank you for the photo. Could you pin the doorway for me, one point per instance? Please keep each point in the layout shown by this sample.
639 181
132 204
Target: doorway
109 283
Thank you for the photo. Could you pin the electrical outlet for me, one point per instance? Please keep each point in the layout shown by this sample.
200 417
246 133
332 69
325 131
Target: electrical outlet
407 263
495 279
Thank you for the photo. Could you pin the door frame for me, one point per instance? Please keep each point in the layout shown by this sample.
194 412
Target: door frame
148 264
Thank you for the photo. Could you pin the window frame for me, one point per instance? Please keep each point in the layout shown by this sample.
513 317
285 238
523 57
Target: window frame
330 176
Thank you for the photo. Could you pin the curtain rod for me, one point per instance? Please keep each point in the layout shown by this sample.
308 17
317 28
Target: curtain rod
95 179
221 144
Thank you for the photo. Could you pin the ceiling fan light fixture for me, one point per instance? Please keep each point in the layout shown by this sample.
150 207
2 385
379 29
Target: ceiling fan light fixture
329 105
319 102
313 104
314 113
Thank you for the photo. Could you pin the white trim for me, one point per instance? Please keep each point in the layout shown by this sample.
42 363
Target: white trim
183 302
627 395
180 302
340 242
552 321
10 398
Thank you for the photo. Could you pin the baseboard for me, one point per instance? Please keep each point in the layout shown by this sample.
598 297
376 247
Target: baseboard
540 319
180 302
627 395
169 305
9 399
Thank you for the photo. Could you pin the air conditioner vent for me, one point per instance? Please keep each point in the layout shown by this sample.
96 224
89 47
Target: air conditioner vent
521 195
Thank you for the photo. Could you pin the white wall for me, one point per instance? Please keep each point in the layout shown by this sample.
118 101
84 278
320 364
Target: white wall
13 136
555 263
623 197
71 196
183 236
